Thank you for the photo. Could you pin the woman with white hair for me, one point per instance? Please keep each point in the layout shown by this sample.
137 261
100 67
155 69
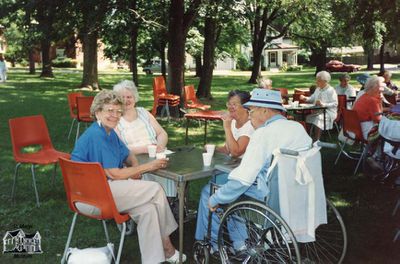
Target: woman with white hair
138 129
325 95
369 104
264 83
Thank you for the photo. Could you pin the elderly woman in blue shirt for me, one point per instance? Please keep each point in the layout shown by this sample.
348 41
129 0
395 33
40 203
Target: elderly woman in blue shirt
145 201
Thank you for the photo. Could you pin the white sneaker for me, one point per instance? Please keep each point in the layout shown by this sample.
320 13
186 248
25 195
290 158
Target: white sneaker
175 258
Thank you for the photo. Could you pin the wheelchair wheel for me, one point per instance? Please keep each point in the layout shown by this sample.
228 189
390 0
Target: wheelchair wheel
201 252
331 240
263 235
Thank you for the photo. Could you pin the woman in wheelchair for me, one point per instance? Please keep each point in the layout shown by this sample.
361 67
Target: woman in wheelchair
273 131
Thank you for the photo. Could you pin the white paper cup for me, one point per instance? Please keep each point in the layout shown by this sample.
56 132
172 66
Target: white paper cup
210 148
207 157
161 155
152 149
296 104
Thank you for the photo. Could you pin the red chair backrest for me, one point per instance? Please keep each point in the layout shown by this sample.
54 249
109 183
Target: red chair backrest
83 108
159 86
351 123
87 183
284 94
296 97
305 92
28 131
342 104
72 103
190 95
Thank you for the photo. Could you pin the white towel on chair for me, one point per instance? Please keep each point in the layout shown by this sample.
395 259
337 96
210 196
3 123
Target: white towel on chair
302 199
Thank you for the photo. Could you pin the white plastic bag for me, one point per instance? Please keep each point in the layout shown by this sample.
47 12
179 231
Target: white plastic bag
102 255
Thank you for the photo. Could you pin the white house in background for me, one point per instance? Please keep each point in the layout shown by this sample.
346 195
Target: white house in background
224 63
276 53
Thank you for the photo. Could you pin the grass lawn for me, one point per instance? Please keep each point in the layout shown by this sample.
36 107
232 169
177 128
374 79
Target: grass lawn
365 205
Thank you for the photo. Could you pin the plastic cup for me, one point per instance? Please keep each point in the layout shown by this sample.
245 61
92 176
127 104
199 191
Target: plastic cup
207 157
161 155
296 104
210 148
152 149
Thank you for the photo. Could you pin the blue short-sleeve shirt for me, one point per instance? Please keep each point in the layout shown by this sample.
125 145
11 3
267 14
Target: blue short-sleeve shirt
95 145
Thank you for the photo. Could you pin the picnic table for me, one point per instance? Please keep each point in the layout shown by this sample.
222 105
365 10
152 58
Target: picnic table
186 164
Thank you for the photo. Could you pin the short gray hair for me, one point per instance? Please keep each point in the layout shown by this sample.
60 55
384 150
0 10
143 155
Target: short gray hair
129 86
323 76
264 83
372 82
105 97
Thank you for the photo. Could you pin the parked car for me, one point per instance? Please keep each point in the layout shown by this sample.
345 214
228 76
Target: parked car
153 66
338 66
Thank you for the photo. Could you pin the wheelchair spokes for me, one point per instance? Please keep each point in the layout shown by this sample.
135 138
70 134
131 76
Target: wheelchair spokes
264 236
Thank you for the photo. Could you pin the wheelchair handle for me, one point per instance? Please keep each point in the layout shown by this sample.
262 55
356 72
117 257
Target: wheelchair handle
289 152
326 145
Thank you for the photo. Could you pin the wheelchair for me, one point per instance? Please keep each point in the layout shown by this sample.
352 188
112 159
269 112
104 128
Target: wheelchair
269 239
385 151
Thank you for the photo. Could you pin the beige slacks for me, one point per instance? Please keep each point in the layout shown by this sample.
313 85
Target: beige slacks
146 203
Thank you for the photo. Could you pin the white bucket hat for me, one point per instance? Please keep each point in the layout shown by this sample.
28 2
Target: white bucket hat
265 98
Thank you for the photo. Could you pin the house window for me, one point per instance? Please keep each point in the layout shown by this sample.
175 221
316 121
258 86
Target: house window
284 57
272 57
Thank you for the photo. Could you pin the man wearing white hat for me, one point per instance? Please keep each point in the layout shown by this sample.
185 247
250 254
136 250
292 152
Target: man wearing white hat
273 131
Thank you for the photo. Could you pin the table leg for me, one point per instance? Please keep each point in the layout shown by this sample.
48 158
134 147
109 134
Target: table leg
181 196
205 131
187 131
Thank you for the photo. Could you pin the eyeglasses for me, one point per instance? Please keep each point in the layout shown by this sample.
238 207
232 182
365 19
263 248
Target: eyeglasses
233 105
251 110
115 112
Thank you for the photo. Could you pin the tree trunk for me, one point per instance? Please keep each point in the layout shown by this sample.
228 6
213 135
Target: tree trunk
370 59
319 59
204 89
90 77
32 69
259 32
199 66
382 58
163 45
176 47
133 59
47 71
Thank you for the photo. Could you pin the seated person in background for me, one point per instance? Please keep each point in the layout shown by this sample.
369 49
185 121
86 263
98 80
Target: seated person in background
389 84
325 96
273 131
237 125
145 201
264 83
137 128
369 104
344 88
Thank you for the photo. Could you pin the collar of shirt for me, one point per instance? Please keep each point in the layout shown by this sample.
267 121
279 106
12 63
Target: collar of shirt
274 118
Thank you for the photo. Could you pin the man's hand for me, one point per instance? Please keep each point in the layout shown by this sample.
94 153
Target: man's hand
213 209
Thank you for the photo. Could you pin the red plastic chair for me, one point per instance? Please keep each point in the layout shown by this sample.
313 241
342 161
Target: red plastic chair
342 104
162 97
32 131
86 182
352 131
83 112
191 101
73 109
284 94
